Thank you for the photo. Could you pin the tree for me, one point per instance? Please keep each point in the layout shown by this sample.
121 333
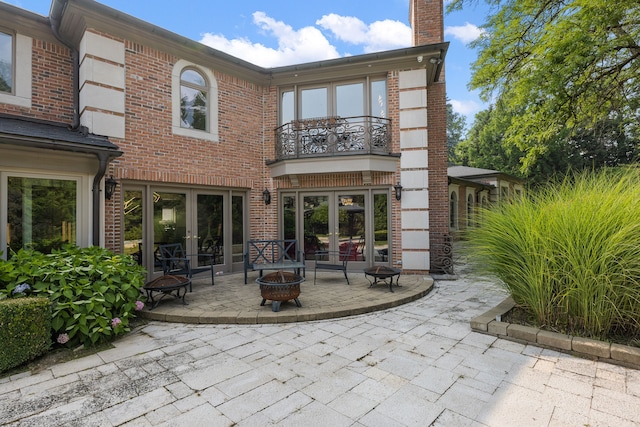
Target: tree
456 123
562 67
485 146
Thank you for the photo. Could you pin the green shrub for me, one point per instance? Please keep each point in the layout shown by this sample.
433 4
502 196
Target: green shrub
93 291
570 253
25 330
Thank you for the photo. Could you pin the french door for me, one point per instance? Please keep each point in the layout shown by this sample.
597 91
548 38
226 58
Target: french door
210 223
328 220
331 220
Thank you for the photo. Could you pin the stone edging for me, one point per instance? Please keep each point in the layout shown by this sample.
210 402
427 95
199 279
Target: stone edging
490 323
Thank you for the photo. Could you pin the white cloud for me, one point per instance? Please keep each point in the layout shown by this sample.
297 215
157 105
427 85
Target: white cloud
380 35
294 46
465 107
465 33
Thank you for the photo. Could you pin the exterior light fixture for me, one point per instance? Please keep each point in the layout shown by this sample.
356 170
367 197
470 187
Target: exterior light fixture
398 189
419 58
266 197
110 185
435 61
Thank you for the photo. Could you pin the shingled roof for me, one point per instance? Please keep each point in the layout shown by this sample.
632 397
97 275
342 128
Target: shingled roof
54 136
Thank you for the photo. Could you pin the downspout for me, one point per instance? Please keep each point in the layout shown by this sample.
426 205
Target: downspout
55 27
103 159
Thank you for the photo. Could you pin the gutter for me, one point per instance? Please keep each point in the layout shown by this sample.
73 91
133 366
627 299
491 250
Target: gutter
54 21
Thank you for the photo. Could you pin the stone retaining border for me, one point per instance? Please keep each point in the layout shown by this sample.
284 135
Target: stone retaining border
491 323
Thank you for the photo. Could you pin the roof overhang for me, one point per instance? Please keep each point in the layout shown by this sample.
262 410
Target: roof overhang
76 16
468 183
53 136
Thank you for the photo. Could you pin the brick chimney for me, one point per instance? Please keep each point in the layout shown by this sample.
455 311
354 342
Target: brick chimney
427 21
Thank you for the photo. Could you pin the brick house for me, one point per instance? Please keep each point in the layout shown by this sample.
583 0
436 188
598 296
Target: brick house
118 133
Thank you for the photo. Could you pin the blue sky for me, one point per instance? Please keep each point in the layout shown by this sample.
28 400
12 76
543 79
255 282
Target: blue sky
273 33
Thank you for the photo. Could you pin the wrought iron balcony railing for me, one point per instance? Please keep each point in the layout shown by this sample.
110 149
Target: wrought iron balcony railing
333 136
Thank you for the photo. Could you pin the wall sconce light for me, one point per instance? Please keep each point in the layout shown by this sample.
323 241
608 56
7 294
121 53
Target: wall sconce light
398 189
266 196
110 185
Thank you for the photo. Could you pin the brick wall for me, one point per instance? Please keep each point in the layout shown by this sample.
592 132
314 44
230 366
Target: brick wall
152 153
52 82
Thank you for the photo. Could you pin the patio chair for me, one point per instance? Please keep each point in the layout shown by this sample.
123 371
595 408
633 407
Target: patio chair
340 260
175 262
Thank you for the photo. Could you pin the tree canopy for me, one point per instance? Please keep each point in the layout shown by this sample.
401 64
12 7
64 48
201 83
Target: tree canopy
456 123
561 68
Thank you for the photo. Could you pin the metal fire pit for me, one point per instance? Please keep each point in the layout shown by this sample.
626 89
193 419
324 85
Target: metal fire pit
382 274
280 286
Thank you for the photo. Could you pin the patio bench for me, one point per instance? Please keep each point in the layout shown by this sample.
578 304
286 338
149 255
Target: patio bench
273 255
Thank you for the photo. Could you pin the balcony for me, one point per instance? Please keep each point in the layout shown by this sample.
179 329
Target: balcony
334 145
333 136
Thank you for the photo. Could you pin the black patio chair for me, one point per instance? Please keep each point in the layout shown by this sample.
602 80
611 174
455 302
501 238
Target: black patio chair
175 262
333 261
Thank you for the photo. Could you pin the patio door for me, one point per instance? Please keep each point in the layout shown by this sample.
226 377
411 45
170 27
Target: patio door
331 219
204 222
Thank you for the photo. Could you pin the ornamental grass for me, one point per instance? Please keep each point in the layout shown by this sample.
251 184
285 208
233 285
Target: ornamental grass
569 254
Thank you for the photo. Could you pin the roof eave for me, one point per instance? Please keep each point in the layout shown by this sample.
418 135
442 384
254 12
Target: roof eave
75 16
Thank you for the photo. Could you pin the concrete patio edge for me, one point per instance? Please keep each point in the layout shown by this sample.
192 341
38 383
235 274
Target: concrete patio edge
491 323
266 316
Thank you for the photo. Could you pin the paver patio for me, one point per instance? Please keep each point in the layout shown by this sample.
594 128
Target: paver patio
415 364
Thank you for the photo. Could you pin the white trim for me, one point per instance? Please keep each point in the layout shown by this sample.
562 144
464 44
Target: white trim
21 95
335 164
212 107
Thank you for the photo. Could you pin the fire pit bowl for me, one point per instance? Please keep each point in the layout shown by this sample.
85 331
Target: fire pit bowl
280 286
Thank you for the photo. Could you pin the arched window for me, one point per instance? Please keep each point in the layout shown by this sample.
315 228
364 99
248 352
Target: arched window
193 100
453 211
